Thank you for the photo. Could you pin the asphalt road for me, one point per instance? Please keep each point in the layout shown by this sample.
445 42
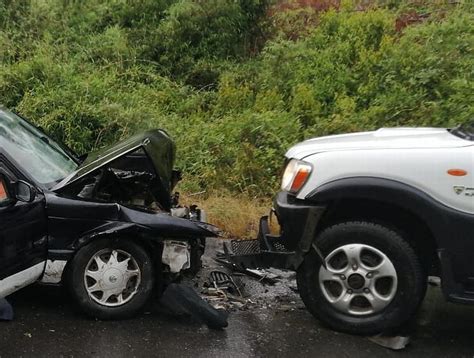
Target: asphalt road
48 325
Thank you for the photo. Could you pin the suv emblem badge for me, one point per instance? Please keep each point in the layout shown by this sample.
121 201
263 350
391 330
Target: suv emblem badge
462 190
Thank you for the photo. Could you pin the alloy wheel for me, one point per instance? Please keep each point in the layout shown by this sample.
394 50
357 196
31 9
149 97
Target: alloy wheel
358 279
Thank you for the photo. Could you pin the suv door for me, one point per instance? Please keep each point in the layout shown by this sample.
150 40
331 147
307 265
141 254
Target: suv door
23 234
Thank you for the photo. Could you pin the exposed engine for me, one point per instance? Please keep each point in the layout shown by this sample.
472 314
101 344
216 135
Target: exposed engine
131 181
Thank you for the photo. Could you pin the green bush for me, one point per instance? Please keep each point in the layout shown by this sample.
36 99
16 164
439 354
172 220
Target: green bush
235 83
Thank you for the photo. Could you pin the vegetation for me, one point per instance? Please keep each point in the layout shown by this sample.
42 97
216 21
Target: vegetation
235 82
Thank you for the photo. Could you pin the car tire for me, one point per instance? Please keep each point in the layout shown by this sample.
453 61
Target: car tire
111 278
343 297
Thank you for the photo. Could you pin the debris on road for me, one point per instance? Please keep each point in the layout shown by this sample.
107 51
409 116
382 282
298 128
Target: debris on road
221 280
227 286
258 274
182 299
395 343
224 292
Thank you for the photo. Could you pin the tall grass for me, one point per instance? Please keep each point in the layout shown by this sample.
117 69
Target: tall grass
238 216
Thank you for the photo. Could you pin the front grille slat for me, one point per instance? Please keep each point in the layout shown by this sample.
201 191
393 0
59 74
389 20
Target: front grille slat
245 247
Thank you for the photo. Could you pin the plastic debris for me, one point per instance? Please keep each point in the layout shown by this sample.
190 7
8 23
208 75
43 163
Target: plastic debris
181 299
395 343
221 280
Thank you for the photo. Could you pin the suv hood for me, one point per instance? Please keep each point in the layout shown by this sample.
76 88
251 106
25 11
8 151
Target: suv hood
155 144
384 138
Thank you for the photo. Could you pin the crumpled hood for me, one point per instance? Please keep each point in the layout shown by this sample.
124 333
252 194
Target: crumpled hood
384 138
156 143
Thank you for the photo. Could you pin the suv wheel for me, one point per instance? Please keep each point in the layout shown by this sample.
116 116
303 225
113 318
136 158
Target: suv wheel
373 281
111 278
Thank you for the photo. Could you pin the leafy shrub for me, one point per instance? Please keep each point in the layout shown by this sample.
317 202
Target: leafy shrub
92 72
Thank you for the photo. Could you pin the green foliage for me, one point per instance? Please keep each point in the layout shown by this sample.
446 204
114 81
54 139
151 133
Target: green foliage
91 72
241 152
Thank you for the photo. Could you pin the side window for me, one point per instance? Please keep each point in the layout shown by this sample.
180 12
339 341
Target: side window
4 196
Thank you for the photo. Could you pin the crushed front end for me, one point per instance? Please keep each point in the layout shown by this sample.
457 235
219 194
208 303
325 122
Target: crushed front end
125 191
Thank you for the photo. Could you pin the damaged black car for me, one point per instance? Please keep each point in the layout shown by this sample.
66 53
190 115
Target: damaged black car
106 225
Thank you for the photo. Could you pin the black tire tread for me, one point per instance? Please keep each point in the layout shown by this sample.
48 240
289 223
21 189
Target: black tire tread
91 308
356 326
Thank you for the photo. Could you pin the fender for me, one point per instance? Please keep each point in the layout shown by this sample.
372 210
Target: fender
156 227
165 225
142 226
111 228
73 223
444 222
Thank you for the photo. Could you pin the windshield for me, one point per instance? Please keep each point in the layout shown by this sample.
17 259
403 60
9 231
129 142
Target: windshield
43 159
464 131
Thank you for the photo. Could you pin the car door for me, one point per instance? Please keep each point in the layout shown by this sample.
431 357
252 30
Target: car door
23 233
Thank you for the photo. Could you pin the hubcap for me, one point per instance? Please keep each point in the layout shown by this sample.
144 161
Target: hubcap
112 277
358 279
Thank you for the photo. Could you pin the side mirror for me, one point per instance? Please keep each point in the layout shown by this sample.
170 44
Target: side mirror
24 191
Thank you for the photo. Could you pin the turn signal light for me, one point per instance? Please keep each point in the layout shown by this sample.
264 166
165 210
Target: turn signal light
300 178
295 175
3 191
457 172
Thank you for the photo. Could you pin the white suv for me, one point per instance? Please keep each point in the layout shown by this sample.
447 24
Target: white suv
365 219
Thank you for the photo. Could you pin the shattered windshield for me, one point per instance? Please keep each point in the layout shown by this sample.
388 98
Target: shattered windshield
43 159
464 131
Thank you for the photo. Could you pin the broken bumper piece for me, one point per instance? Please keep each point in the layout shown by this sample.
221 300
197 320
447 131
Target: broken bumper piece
299 224
267 251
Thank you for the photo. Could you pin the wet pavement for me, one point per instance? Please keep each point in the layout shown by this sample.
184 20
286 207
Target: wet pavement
47 324
274 324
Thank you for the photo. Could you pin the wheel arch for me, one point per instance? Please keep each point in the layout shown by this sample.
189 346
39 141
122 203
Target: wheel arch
117 230
414 214
406 223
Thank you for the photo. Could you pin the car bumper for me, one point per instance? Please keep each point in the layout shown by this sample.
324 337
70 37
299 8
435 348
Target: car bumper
298 226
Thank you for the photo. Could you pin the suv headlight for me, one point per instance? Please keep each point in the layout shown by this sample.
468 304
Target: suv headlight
295 175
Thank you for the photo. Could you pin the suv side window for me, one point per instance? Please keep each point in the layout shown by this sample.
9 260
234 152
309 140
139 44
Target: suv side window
4 195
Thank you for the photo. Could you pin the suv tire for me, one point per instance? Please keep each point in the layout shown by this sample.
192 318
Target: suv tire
118 268
380 279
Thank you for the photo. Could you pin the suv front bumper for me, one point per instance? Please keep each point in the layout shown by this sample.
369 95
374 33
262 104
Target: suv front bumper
298 221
